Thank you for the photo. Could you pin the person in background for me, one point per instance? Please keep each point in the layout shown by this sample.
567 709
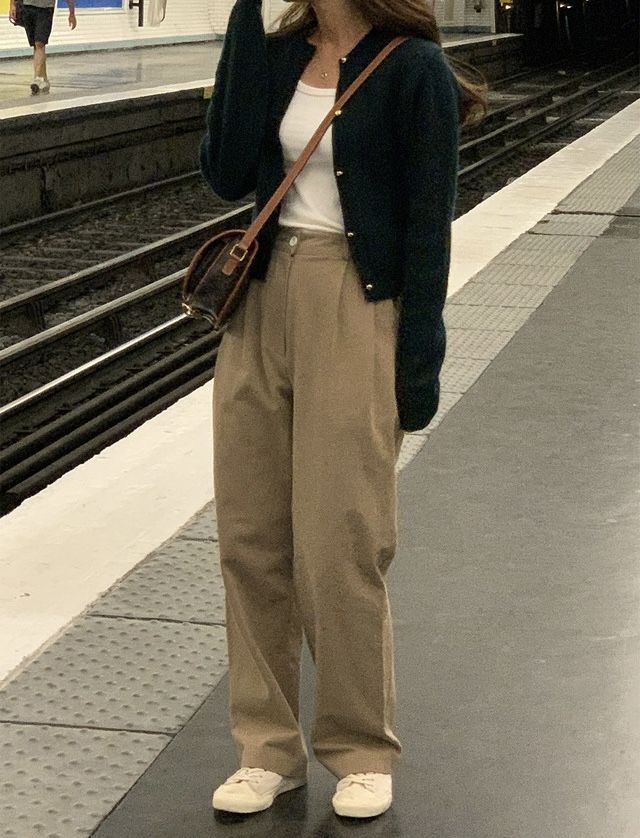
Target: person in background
37 16
333 354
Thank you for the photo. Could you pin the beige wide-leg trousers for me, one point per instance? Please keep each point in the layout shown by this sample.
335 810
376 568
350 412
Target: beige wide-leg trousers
306 437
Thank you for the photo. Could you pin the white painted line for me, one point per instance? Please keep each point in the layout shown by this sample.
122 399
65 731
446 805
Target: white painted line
66 545
76 538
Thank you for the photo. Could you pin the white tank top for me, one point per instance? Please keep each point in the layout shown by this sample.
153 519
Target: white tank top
313 200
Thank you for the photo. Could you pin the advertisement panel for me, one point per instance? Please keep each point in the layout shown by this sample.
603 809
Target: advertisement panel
92 4
80 4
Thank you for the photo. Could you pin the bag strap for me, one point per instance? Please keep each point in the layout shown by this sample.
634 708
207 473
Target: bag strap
300 163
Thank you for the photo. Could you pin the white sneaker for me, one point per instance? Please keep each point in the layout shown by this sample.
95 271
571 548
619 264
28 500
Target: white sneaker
363 795
39 85
252 790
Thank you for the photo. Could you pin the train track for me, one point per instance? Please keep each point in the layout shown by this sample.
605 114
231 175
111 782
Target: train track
77 375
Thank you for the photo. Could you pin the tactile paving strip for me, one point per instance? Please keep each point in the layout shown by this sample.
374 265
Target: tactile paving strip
498 318
202 526
623 226
632 205
179 581
483 293
142 675
521 275
411 447
555 245
458 374
568 224
414 441
608 188
536 258
61 782
475 343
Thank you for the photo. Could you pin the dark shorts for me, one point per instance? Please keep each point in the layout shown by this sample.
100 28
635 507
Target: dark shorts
37 24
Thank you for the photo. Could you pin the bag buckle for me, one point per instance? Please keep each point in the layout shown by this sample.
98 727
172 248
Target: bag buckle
235 256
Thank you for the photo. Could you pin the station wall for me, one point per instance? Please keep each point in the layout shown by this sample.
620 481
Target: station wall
466 15
452 15
104 24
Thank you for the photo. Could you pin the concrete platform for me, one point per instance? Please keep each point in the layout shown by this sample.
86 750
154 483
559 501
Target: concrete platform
514 591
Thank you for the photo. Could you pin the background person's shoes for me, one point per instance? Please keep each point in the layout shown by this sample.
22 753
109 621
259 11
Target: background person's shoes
39 85
363 795
252 790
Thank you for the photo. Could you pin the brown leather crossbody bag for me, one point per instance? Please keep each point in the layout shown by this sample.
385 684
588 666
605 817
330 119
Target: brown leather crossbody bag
218 276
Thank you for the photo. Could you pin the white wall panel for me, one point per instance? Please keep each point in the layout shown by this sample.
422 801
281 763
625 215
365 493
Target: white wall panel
483 21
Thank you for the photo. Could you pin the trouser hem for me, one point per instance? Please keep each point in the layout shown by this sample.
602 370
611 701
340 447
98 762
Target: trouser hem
271 761
354 764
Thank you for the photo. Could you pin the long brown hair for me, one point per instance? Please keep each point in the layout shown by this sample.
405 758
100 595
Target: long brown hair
401 17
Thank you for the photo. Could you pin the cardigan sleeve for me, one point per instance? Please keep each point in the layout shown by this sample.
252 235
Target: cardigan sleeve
430 187
237 113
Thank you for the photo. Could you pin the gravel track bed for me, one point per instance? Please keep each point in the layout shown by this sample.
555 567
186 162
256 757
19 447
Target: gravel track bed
29 261
41 367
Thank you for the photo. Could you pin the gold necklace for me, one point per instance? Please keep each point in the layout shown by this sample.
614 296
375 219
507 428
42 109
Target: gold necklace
325 75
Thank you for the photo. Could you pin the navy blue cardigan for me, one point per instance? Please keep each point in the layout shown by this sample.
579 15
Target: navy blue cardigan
396 144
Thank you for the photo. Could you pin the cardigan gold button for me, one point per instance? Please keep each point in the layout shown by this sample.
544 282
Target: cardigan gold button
350 234
339 172
293 241
343 59
369 287
338 112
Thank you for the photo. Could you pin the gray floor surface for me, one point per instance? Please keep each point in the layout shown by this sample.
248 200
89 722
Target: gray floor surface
515 598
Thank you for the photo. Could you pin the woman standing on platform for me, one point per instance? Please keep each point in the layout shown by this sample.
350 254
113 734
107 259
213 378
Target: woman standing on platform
322 369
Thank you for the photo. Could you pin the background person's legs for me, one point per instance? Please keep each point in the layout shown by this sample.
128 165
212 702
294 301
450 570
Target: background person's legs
37 25
40 61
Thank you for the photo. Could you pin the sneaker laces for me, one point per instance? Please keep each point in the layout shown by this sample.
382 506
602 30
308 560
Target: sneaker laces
246 775
366 779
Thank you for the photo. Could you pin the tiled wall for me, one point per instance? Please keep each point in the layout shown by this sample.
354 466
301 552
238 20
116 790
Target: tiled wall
462 15
456 15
